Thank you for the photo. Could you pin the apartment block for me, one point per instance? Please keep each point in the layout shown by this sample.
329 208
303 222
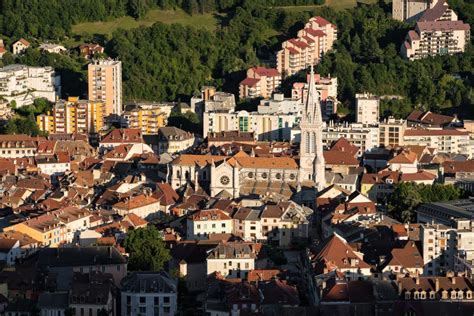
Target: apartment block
403 10
312 42
363 136
260 82
367 108
438 32
105 84
266 126
391 132
73 116
149 118
456 141
23 84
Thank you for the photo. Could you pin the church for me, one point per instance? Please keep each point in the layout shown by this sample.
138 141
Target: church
243 174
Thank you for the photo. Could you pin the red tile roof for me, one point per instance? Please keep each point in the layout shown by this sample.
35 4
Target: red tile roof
417 176
126 135
268 72
443 26
435 132
210 215
340 158
250 82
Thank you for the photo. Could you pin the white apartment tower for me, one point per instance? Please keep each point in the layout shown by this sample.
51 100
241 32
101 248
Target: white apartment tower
312 164
367 108
105 84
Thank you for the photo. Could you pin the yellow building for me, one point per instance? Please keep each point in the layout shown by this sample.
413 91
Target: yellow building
148 119
46 229
73 116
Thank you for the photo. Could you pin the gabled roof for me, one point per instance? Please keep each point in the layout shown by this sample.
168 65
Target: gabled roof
417 176
434 13
429 118
23 41
336 253
405 157
343 145
408 256
451 167
250 82
210 215
268 72
339 158
123 135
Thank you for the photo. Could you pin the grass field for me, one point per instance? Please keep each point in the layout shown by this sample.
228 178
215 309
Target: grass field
207 21
335 4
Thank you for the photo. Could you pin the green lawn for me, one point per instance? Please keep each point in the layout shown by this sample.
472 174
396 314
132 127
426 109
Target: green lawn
335 4
208 21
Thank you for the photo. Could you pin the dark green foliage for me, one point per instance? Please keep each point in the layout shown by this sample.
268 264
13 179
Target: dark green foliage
186 121
407 196
147 249
366 58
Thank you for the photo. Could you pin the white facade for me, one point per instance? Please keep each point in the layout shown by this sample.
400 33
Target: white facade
231 267
363 136
24 84
367 108
456 141
206 222
265 126
54 168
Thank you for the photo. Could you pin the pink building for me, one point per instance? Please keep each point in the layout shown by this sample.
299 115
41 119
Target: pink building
326 88
260 82
311 44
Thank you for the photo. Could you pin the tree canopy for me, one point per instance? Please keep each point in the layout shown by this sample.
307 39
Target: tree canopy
146 249
407 196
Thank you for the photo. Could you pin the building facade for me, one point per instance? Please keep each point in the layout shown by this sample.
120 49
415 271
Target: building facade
260 82
367 108
105 84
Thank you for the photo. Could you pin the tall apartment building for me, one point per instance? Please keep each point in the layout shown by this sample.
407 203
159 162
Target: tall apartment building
391 132
438 32
73 116
105 84
260 82
311 43
23 84
211 100
148 118
367 108
456 141
403 10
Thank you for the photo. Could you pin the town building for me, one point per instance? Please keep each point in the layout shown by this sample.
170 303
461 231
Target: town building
148 117
363 136
73 116
174 140
20 46
149 294
10 251
260 82
403 10
391 132
455 141
312 42
438 32
367 108
233 259
105 84
429 119
122 136
17 146
23 84
211 100
204 223
144 206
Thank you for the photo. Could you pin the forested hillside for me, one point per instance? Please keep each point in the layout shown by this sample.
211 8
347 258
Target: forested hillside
171 62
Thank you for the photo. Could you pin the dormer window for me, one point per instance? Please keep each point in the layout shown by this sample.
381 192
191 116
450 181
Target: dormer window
432 295
453 295
416 295
407 295
469 295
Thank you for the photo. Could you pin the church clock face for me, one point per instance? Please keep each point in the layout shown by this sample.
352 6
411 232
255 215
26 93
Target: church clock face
225 180
309 162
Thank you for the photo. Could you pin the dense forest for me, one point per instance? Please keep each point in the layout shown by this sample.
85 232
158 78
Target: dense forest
164 62
52 19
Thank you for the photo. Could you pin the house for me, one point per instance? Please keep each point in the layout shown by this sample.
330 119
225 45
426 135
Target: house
404 260
54 165
144 206
233 259
405 162
335 253
92 293
52 48
122 136
90 50
149 294
68 261
10 251
3 51
207 222
174 140
20 46
430 119
53 303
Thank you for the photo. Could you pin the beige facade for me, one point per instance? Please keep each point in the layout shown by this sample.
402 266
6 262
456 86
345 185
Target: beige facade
403 10
367 108
455 141
105 84
391 132
260 82
312 42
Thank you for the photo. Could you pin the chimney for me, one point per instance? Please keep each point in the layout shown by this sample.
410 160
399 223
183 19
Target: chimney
417 280
400 288
453 280
437 284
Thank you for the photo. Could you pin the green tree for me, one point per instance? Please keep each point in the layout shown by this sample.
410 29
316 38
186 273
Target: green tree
146 249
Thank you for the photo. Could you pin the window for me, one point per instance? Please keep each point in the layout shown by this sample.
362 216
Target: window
223 225
225 180
156 300
142 309
142 300
166 299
